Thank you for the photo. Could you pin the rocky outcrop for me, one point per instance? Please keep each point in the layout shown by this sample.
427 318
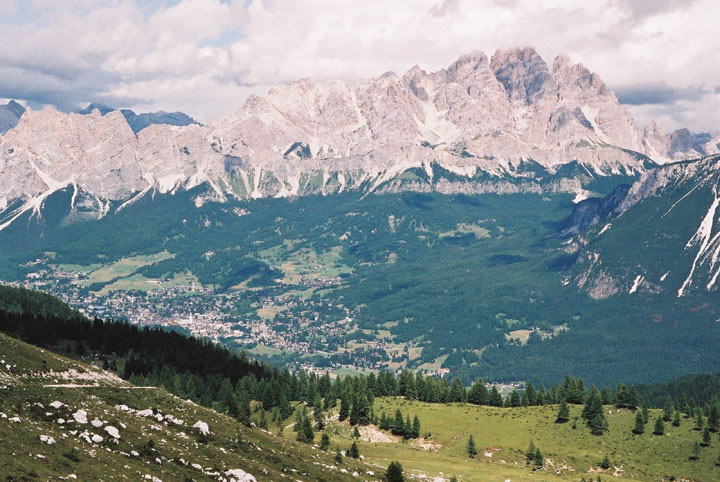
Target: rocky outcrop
138 122
10 114
481 122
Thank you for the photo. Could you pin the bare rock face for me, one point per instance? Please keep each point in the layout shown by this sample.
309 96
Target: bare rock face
10 114
478 117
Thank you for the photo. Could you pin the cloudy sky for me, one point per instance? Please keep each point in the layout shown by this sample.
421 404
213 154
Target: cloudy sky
204 57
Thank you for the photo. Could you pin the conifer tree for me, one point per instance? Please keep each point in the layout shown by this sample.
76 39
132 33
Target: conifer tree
598 424
563 413
530 452
530 394
695 451
324 441
714 416
478 394
676 420
659 427
668 410
605 464
645 412
394 473
457 392
706 437
470 447
356 433
415 427
539 461
354 452
344 406
398 425
407 428
699 420
338 456
495 399
384 424
639 424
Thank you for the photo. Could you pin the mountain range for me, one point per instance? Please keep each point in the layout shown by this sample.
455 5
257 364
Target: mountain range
509 123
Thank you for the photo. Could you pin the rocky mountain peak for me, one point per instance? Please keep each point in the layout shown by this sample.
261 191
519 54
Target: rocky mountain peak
476 118
523 74
10 114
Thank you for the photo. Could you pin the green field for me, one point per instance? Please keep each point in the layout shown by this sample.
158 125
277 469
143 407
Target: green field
502 436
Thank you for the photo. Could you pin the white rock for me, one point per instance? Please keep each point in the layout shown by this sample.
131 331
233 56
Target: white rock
112 431
134 453
145 413
60 421
80 416
124 408
96 423
239 475
57 404
15 420
203 427
97 438
47 439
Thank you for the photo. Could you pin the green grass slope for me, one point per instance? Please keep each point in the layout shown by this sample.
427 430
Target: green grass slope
502 435
157 444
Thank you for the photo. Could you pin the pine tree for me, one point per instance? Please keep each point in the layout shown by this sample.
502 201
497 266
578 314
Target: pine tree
470 447
659 427
384 423
338 456
398 425
394 473
598 425
478 394
344 406
676 420
539 462
305 431
605 464
714 416
645 412
407 428
530 452
415 427
356 433
324 441
495 399
699 420
457 392
354 452
530 394
706 437
639 424
668 410
563 413
695 451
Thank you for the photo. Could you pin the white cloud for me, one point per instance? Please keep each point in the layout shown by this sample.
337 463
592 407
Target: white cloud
180 56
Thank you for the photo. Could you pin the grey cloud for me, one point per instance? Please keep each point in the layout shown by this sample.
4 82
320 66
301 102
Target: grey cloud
642 9
657 94
444 7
